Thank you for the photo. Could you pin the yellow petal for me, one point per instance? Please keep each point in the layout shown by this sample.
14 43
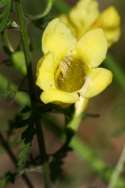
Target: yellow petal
45 72
109 21
92 48
109 18
112 35
65 19
57 38
83 15
55 95
97 81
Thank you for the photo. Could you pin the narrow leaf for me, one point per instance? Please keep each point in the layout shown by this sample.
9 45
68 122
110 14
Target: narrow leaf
5 13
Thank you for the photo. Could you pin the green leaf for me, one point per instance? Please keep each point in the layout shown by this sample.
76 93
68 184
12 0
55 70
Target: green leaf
5 13
24 155
28 134
9 177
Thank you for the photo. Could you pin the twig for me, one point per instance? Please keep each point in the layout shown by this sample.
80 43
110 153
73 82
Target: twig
36 122
118 170
45 168
13 159
25 42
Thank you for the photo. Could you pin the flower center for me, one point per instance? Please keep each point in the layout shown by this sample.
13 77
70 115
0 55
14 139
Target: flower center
70 75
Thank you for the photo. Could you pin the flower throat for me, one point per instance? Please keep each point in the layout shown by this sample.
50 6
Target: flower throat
70 75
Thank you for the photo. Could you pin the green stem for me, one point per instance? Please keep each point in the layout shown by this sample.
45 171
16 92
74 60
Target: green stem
26 48
41 143
118 170
26 43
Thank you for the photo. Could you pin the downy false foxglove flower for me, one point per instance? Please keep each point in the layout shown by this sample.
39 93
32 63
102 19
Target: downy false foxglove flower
69 69
85 15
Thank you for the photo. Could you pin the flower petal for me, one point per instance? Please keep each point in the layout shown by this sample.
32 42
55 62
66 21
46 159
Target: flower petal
45 72
65 19
109 21
55 95
57 38
109 18
92 48
112 35
97 81
83 15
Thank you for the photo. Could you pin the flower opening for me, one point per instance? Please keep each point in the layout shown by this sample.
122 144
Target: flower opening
70 75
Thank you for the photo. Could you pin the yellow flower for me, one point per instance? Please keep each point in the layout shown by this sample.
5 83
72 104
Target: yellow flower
85 15
109 21
68 72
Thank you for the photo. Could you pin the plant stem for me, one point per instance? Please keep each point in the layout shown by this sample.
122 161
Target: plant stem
118 170
13 159
37 123
26 48
45 166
